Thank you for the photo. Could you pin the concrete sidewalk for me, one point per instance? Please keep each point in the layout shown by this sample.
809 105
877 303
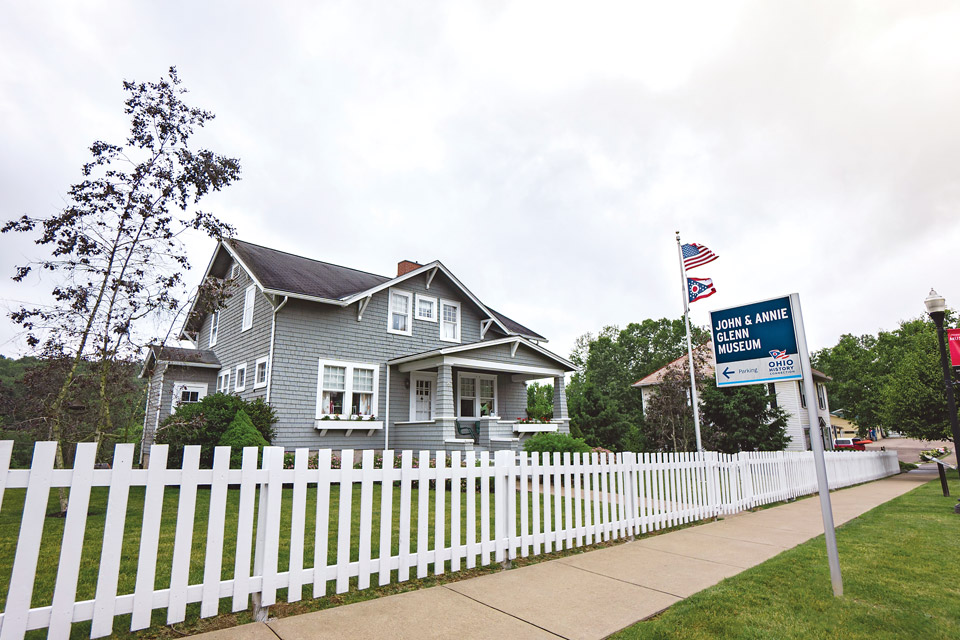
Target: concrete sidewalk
588 595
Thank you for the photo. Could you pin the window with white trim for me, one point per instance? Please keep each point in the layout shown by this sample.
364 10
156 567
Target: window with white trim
399 315
449 321
347 389
821 396
223 381
240 378
426 308
422 395
260 373
476 395
188 392
248 307
214 328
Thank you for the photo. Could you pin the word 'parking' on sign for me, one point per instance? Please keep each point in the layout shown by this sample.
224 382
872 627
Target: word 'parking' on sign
755 343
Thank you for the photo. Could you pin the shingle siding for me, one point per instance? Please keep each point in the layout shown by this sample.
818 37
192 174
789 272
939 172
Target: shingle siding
161 394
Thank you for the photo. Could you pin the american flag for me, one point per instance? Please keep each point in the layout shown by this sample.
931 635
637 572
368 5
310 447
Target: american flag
695 255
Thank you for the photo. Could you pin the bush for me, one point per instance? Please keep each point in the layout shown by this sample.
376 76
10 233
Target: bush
241 433
907 466
205 422
559 442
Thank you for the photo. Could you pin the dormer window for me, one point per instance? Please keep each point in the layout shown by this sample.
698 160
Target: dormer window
399 316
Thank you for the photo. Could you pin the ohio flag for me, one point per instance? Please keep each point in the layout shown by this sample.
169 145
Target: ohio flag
699 288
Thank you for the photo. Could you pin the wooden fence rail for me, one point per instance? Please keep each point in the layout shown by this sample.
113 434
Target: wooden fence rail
256 541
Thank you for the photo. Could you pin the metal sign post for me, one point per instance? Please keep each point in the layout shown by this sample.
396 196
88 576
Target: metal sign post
765 342
816 442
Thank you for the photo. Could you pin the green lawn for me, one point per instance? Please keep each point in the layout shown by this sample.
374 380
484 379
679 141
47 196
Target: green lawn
10 515
900 581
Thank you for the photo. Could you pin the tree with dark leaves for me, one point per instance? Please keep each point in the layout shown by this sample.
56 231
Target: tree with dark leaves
116 249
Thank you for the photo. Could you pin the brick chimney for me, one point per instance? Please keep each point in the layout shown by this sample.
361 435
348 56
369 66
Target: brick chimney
406 266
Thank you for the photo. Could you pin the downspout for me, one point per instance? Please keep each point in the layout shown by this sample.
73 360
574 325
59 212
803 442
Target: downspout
386 414
146 416
273 338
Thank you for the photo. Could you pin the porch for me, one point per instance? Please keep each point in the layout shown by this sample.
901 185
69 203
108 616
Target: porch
472 397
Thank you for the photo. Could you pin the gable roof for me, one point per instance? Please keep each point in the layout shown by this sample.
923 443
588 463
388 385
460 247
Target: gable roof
296 275
285 274
203 358
656 377
474 346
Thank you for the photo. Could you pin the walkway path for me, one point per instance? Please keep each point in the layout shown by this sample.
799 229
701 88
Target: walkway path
588 595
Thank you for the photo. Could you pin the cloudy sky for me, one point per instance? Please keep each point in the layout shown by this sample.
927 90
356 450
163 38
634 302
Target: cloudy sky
544 151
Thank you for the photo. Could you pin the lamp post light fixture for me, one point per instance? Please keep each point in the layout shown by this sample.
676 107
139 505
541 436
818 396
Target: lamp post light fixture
936 309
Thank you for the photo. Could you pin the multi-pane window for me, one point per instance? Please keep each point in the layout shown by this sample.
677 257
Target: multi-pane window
362 402
426 308
248 307
487 397
468 397
240 379
477 395
449 321
423 403
187 392
223 382
398 318
347 389
260 373
334 386
214 328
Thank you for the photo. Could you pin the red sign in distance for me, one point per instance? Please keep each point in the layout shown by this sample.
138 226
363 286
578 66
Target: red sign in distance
953 343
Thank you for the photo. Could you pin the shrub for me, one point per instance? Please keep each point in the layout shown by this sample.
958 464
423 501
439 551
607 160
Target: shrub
560 442
241 433
907 466
205 422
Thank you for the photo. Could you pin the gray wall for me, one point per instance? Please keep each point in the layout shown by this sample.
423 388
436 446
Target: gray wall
162 395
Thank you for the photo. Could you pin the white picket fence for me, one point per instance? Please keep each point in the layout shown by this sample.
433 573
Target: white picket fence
511 505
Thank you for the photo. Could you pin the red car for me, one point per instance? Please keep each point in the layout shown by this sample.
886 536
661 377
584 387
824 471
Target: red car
849 444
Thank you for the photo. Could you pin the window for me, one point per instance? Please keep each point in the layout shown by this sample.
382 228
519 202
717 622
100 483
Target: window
426 308
449 321
821 397
477 395
235 271
188 392
214 328
347 389
772 395
398 317
803 398
223 381
361 397
422 387
248 307
240 379
260 373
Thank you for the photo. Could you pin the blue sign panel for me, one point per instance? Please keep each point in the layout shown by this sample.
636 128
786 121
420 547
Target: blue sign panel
755 343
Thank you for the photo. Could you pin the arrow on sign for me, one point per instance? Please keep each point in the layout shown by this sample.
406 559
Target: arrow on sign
727 372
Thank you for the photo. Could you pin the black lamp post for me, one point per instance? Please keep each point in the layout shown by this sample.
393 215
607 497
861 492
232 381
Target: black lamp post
936 308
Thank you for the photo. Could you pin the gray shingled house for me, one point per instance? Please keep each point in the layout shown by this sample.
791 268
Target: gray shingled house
349 359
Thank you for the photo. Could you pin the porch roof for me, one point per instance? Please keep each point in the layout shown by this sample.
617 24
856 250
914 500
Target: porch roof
459 355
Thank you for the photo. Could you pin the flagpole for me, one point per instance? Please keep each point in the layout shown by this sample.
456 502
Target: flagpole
686 321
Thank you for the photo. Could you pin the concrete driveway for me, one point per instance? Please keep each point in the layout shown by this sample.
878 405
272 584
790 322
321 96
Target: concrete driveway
908 449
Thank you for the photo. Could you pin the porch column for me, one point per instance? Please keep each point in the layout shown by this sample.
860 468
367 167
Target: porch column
559 399
446 414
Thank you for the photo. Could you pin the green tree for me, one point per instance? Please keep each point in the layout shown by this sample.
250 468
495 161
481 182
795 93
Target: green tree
604 408
116 249
241 433
540 401
741 419
857 379
668 424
